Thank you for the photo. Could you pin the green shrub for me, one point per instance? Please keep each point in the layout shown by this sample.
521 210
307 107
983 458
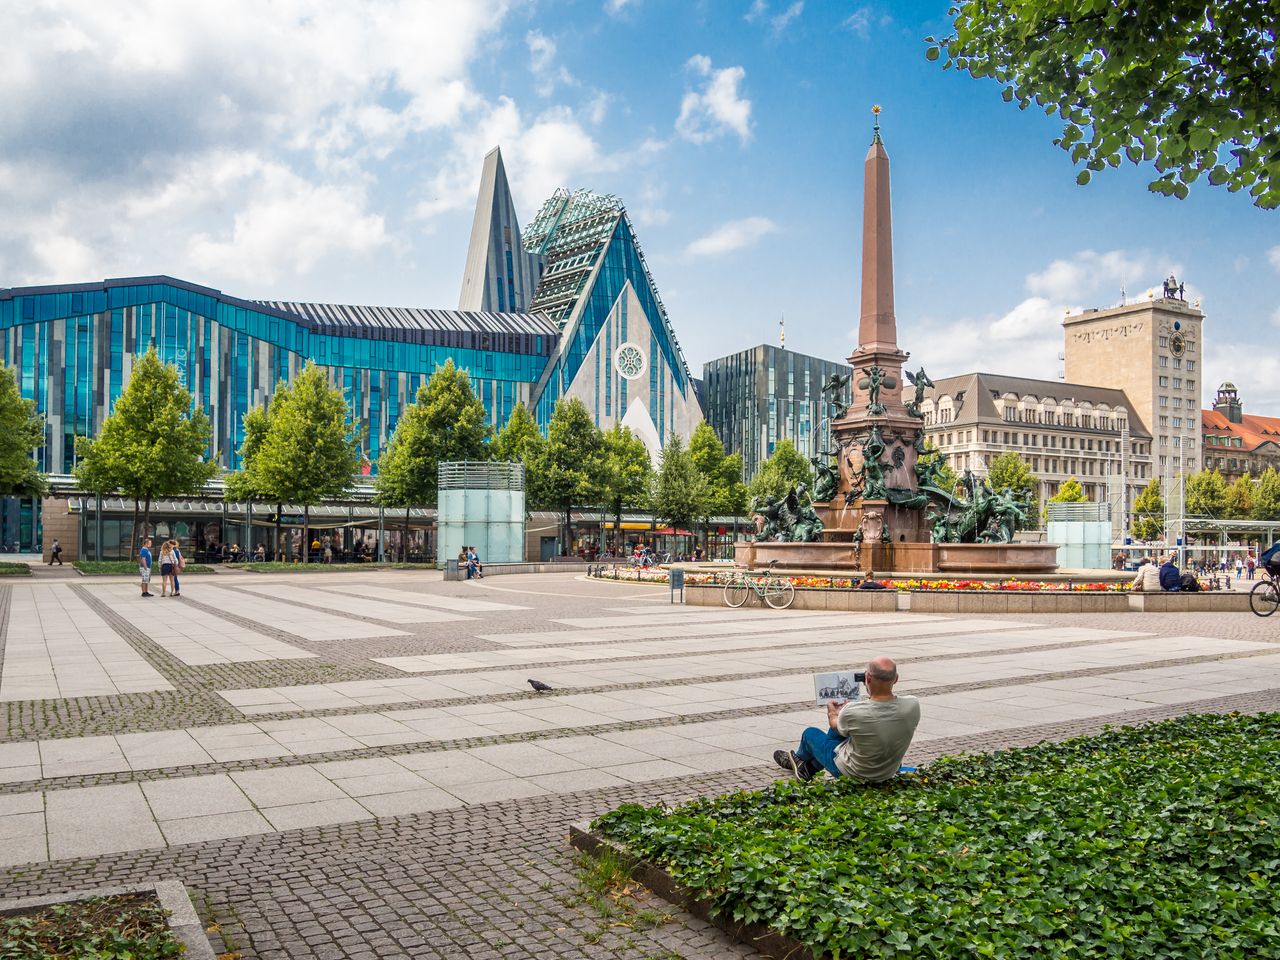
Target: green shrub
132 927
278 567
116 568
14 570
1158 841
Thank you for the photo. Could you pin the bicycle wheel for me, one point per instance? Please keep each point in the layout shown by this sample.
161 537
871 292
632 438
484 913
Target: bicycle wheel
779 594
1264 598
736 593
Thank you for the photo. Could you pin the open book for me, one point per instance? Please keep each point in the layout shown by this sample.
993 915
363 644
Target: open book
841 685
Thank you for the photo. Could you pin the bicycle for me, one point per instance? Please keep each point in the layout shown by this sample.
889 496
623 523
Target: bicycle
772 589
1264 598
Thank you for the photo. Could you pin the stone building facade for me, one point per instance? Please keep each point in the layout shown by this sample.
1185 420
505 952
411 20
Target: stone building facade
1153 351
1237 443
1061 430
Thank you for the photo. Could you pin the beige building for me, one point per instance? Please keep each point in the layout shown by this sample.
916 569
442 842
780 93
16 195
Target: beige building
1152 350
1061 430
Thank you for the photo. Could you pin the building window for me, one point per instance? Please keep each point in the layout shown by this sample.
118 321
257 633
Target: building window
1191 364
1164 381
1164 341
1191 385
1164 421
1177 363
1164 401
1177 383
1164 361
1177 421
1177 402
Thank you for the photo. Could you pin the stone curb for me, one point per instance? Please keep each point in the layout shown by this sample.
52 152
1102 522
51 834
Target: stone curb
763 939
172 895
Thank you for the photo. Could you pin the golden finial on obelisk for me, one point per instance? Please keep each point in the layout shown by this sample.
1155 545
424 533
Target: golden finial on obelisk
875 109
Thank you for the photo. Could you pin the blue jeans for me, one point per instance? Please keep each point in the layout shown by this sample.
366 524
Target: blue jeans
820 746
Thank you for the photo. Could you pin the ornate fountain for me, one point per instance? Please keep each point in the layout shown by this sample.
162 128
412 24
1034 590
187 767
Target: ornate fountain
879 500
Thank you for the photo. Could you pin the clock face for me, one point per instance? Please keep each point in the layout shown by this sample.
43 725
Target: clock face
1178 345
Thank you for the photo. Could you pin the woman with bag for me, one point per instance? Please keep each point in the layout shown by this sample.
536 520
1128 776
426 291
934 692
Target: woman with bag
166 567
179 562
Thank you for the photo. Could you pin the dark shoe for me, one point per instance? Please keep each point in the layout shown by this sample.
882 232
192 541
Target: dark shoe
148 594
788 760
812 770
176 594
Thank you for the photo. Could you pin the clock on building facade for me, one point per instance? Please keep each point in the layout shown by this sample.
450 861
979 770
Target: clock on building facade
1178 344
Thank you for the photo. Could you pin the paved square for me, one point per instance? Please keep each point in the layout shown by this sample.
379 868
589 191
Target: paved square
355 765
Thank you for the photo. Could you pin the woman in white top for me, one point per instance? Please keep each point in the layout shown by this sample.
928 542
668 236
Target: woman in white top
166 567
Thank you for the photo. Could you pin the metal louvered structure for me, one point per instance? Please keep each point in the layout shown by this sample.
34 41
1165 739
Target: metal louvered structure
469 328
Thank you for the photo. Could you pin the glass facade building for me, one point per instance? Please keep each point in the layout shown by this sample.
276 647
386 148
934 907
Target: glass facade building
756 397
73 347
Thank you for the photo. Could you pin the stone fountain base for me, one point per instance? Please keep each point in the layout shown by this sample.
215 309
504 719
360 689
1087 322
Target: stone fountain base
990 558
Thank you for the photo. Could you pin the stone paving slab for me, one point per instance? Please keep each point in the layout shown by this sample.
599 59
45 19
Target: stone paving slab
191 635
361 606
57 647
300 621
456 604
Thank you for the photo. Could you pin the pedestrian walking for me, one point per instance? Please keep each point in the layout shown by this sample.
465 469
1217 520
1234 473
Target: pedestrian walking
179 562
55 553
144 566
1239 569
166 567
1252 565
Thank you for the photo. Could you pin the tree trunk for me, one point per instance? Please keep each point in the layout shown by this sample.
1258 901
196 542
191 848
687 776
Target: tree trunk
137 542
617 524
146 516
404 550
306 533
275 553
568 527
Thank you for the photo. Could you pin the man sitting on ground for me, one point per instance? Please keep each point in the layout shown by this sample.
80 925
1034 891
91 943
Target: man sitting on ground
866 739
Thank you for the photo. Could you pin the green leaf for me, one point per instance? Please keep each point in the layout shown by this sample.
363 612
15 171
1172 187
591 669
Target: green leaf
1083 177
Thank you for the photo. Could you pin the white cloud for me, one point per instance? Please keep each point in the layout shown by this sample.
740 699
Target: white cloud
735 235
648 209
859 22
783 20
757 10
718 108
1274 256
615 7
542 56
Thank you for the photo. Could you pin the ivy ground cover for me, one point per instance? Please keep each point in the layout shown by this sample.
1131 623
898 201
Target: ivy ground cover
1159 841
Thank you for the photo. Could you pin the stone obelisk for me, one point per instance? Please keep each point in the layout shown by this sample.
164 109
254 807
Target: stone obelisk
877 436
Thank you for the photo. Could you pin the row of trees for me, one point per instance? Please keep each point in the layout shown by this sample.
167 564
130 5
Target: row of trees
1207 494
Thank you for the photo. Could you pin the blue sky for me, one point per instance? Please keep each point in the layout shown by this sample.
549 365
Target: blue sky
324 151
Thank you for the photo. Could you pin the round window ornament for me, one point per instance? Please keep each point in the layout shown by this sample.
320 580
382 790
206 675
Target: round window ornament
630 362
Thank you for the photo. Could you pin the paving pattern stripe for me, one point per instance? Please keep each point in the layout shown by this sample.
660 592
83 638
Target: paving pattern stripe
459 740
315 624
456 604
361 606
193 635
103 820
815 656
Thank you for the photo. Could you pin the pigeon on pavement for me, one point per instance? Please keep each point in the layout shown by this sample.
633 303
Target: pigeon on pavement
539 686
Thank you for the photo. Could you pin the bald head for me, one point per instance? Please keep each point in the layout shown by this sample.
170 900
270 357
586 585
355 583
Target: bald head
882 674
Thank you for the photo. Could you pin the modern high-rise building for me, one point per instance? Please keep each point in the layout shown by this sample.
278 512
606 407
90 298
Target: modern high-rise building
1153 351
756 397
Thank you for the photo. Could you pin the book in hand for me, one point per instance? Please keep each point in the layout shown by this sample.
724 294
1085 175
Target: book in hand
838 686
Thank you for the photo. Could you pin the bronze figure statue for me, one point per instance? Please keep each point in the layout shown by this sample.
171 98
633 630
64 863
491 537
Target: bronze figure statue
834 393
921 382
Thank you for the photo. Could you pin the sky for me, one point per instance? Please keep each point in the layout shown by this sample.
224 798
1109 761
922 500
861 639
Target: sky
331 150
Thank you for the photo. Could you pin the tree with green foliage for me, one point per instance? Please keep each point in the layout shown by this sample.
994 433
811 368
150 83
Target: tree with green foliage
727 494
240 486
1148 512
681 492
785 468
1188 85
21 434
1266 496
625 470
445 423
520 441
1010 472
567 466
152 445
308 453
1070 492
1239 499
1206 494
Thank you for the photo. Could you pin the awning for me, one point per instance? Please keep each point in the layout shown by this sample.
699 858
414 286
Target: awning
671 532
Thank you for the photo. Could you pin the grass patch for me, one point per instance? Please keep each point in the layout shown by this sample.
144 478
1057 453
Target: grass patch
606 885
117 568
1159 841
277 567
14 570
128 926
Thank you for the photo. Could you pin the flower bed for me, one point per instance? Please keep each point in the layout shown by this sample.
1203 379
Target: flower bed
1157 841
133 926
849 583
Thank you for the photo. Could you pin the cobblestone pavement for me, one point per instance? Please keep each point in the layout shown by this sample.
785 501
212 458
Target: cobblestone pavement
352 766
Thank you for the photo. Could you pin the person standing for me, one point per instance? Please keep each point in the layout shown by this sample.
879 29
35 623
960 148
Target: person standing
1252 565
179 561
166 567
1239 569
144 566
55 554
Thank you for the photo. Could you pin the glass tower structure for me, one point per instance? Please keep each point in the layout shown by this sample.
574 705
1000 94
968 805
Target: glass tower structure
756 397
73 347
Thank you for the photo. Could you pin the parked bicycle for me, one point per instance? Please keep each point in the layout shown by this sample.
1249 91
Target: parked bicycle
772 589
1264 598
